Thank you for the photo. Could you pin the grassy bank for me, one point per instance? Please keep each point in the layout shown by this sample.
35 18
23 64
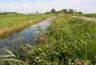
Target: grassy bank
68 42
13 23
73 40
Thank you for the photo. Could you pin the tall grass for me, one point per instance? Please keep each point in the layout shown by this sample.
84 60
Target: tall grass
86 15
13 23
90 15
68 41
9 58
74 39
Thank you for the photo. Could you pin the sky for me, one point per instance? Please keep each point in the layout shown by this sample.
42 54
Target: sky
31 6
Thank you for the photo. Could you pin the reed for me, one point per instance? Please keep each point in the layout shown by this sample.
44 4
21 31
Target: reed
13 23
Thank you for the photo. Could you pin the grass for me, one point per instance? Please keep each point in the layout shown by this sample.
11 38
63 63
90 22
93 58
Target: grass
14 23
90 15
68 41
74 39
86 15
9 58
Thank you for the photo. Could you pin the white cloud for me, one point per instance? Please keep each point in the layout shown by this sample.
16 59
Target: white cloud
82 5
26 6
15 7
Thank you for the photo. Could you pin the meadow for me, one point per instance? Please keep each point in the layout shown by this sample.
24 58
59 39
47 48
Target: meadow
86 15
14 23
90 15
68 41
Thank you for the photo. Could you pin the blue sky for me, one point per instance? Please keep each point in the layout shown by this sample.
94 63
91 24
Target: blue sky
28 6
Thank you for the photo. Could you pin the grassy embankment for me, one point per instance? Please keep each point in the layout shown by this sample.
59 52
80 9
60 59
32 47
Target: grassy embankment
13 23
68 41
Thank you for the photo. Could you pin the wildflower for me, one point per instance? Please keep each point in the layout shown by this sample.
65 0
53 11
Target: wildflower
79 63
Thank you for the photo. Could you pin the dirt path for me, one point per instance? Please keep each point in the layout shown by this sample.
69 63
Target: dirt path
85 18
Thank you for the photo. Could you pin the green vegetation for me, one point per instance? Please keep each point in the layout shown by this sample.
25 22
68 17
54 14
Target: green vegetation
8 13
68 41
14 23
8 58
86 15
64 11
90 15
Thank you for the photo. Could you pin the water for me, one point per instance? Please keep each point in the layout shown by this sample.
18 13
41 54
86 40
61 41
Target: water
27 35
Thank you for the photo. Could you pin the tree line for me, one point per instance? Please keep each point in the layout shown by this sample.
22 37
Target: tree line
8 13
53 11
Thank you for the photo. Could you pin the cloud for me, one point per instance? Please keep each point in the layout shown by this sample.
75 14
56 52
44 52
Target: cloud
47 5
26 6
22 8
19 6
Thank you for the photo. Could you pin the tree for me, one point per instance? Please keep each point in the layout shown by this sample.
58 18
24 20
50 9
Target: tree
5 13
53 11
71 11
58 12
79 12
65 10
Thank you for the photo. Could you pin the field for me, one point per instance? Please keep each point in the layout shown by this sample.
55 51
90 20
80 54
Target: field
86 15
90 15
13 23
68 41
